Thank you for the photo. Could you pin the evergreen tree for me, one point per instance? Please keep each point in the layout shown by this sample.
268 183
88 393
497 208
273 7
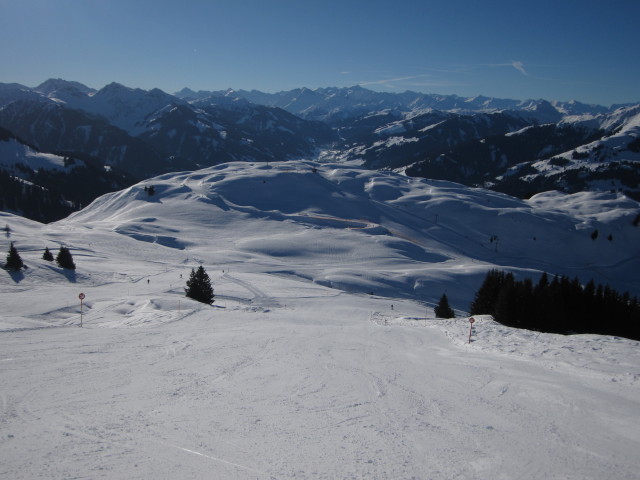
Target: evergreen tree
485 299
14 262
47 255
505 303
199 286
64 259
526 304
543 283
560 306
443 310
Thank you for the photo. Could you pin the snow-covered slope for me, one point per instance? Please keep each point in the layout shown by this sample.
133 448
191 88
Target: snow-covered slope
15 153
285 377
127 108
45 186
326 222
124 107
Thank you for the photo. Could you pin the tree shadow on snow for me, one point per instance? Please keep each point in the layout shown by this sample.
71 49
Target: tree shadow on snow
70 274
17 277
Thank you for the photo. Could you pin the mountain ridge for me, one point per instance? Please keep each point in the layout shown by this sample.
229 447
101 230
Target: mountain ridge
323 103
506 145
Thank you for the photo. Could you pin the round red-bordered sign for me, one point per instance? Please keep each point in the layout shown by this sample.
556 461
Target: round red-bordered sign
471 320
81 296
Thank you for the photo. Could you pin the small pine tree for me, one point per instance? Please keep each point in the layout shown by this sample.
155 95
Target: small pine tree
64 259
199 286
47 255
14 262
443 310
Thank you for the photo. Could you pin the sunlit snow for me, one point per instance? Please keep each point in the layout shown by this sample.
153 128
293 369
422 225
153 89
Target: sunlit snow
321 356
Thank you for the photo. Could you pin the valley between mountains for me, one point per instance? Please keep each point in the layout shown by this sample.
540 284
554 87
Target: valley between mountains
321 355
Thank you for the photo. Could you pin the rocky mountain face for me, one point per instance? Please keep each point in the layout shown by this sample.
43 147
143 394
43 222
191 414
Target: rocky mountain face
516 147
210 132
150 132
53 127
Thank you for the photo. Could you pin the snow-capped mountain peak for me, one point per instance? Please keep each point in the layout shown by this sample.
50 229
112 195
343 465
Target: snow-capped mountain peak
53 85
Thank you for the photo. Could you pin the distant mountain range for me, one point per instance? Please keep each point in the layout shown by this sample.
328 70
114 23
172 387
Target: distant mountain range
152 132
334 104
517 147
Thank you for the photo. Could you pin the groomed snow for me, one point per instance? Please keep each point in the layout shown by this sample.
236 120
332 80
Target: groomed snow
285 377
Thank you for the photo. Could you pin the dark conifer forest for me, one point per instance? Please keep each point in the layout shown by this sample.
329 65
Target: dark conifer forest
559 305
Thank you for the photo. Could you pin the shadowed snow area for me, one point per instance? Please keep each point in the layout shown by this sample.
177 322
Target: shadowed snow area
321 356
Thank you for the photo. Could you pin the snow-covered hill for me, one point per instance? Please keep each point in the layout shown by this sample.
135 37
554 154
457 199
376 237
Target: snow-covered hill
421 228
321 356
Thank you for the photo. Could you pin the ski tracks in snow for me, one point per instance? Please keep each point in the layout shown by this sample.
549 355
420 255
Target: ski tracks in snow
260 299
126 431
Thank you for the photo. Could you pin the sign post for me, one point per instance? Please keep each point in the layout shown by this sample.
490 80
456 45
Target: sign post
81 297
471 320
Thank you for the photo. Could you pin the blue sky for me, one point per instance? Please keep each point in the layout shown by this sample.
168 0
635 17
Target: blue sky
558 50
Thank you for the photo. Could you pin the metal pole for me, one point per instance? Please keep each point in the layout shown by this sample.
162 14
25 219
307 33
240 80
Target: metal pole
81 297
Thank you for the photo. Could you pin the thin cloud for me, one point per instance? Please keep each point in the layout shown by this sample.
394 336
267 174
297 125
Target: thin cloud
518 65
418 82
390 80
